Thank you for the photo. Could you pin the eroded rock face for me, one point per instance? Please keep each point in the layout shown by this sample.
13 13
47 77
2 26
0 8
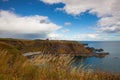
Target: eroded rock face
53 47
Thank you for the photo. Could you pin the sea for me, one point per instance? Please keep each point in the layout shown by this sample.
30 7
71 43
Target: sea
110 63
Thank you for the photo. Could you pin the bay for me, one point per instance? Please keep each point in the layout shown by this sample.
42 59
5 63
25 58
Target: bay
110 63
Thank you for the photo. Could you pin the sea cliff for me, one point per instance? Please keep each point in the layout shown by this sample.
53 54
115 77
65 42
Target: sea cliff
50 47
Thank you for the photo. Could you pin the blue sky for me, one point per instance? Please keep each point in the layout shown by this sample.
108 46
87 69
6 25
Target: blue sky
60 19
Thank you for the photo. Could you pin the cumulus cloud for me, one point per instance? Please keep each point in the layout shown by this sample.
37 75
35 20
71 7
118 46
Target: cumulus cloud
13 25
67 23
107 10
109 24
75 7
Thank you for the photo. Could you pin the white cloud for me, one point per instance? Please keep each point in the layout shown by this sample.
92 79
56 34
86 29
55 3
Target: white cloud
58 9
65 30
67 23
51 1
109 24
96 37
55 36
16 25
86 36
107 10
75 7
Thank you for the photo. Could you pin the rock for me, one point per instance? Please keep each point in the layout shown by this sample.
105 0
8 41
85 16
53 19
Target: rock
101 55
99 50
91 49
85 44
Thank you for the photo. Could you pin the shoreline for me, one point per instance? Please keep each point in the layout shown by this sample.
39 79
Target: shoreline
54 47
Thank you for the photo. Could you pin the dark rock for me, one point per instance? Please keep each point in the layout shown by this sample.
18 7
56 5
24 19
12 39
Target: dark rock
99 50
85 44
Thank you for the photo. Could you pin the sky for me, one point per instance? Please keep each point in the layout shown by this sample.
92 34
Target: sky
81 20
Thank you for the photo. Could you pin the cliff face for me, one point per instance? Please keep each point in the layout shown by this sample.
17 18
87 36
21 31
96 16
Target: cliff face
47 46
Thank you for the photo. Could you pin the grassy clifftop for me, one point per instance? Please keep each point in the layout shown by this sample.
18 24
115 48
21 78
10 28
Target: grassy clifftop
13 66
16 67
9 48
47 46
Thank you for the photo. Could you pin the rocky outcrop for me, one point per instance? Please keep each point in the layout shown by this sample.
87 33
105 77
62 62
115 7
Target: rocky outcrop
97 52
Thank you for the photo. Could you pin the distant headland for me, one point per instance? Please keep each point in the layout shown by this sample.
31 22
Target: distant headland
57 47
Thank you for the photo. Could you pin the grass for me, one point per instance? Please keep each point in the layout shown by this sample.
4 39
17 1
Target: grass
48 46
13 66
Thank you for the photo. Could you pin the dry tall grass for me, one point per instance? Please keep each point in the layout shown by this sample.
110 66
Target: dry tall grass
45 67
16 67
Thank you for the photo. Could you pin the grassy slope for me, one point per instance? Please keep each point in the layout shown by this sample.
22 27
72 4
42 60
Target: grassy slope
13 66
47 46
16 67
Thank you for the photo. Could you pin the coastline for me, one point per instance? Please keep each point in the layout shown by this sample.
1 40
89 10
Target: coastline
73 48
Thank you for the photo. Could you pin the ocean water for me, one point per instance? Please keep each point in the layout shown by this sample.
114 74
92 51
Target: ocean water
110 63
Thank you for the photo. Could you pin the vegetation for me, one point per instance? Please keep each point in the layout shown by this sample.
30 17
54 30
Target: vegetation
14 66
46 46
45 67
